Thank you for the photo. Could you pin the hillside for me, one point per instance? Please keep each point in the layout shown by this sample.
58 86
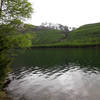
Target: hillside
43 35
86 35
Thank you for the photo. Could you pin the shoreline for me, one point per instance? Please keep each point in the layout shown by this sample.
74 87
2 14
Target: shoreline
82 46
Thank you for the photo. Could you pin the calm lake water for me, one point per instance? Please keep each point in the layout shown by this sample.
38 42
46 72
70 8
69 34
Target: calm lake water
56 74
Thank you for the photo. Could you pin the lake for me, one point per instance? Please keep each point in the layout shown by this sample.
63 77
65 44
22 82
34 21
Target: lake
56 74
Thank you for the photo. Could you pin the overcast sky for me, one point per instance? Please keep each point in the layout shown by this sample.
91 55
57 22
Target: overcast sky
72 13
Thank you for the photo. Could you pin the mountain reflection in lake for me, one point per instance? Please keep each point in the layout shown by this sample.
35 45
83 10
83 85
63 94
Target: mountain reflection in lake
56 74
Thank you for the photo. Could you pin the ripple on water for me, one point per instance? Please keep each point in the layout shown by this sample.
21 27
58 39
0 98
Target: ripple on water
65 82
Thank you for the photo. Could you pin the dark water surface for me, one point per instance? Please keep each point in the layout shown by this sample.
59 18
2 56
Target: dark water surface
56 74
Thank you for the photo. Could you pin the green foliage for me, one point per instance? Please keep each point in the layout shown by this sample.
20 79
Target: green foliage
12 12
10 39
47 36
21 40
4 57
87 35
42 36
14 9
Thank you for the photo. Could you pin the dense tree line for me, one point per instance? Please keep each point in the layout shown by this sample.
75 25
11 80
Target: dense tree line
56 26
50 26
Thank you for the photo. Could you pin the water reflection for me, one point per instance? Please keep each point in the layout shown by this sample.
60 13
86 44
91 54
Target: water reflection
61 75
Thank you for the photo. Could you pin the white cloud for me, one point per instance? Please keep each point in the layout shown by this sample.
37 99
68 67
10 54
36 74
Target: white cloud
66 12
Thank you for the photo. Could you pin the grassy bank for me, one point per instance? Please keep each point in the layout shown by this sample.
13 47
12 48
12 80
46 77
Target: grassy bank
3 95
84 36
66 46
3 74
47 36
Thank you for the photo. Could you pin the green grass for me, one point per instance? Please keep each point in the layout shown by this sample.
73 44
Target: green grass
83 36
87 35
3 95
47 36
43 35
